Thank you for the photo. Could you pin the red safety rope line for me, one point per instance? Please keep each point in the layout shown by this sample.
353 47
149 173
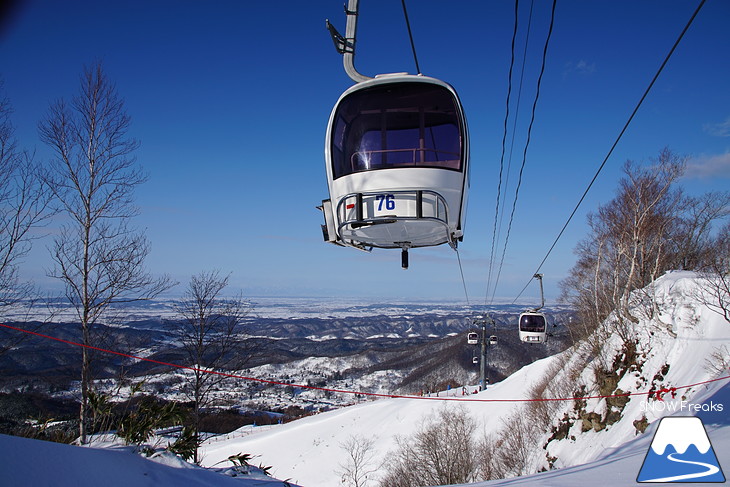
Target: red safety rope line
657 393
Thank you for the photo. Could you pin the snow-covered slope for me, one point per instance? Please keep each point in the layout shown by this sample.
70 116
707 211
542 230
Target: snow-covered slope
310 450
33 463
674 346
682 344
682 349
619 466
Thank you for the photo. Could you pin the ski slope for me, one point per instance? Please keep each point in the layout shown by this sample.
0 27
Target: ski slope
309 451
33 463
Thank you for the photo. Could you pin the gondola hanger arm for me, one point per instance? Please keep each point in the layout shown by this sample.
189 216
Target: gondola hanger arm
345 45
542 294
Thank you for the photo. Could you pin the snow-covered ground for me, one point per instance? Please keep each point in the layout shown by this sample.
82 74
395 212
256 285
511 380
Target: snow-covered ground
34 463
287 308
309 450
689 337
619 466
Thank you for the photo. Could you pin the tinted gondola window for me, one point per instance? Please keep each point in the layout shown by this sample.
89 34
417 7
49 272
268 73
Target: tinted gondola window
397 125
532 323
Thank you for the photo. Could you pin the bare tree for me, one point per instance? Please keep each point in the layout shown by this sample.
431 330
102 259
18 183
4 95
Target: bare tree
24 204
359 467
694 248
210 328
715 287
650 227
441 452
97 254
627 246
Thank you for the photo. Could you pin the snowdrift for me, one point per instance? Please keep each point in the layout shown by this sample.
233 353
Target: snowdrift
34 463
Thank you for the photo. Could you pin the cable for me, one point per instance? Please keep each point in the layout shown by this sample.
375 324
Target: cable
501 159
514 132
463 281
615 143
527 143
410 36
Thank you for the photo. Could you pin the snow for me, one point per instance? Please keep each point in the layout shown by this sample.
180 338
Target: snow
680 434
310 451
29 463
620 466
33 463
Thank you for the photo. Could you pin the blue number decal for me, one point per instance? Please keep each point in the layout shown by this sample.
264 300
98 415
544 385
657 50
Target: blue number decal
389 200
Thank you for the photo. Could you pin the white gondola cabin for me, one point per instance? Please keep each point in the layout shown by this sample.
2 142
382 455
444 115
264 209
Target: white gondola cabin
532 324
472 338
493 340
533 327
397 157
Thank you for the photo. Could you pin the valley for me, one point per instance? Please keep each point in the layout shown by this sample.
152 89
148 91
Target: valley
302 345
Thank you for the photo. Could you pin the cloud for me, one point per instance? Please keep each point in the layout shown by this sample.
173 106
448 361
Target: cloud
718 129
582 68
705 167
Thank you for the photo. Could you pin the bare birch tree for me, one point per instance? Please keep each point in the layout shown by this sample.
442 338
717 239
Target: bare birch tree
650 227
693 245
24 203
210 327
715 287
627 247
93 173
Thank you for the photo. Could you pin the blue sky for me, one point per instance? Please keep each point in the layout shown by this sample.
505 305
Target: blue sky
230 102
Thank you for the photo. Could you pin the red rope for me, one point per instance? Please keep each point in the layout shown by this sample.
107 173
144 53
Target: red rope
656 393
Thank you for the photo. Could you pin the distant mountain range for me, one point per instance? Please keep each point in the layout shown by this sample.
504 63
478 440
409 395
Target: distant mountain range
417 340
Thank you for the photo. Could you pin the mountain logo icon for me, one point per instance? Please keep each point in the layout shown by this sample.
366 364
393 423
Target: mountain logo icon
681 452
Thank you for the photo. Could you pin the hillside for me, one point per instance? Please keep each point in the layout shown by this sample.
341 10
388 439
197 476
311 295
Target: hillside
383 348
89 467
677 366
621 464
681 345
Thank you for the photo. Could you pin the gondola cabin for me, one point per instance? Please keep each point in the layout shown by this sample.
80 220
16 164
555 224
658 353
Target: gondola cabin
533 327
396 154
472 338
493 340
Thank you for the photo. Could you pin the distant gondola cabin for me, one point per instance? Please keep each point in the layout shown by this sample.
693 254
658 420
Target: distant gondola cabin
532 327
